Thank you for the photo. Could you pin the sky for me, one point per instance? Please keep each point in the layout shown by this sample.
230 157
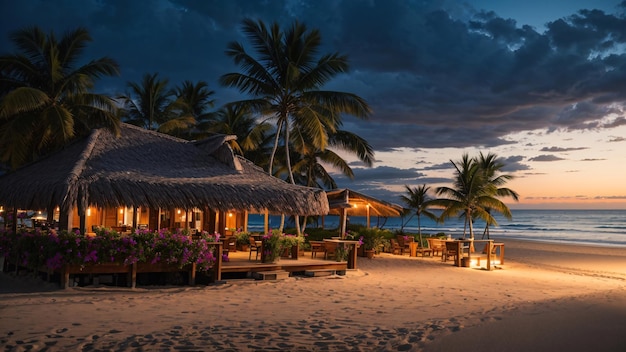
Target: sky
539 83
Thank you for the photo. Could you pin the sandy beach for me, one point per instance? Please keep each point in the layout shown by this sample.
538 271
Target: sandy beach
546 297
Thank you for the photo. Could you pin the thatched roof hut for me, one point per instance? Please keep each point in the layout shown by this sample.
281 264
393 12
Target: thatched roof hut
359 204
345 202
143 168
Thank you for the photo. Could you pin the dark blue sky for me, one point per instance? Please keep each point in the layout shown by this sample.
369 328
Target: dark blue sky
439 75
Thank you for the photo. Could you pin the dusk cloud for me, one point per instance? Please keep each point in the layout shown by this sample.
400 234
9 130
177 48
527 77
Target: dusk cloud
546 157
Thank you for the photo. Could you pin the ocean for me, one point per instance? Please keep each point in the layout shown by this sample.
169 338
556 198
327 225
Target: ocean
590 227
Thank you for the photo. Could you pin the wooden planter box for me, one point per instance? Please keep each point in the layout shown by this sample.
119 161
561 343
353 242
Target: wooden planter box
291 253
130 270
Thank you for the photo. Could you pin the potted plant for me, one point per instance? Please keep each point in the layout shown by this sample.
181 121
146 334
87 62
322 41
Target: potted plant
242 240
272 246
373 240
291 245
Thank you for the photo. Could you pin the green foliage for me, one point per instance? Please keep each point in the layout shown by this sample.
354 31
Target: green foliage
272 246
275 243
46 98
341 254
374 238
317 234
242 237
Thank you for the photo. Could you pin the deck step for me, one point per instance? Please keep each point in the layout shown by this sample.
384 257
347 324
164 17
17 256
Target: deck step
324 272
271 275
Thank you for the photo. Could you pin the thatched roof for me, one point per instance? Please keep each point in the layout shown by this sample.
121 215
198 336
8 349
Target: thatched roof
357 203
150 169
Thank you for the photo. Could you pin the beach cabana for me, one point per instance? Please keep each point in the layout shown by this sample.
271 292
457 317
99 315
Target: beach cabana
162 180
346 202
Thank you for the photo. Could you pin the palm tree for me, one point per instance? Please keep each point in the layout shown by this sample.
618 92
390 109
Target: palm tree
154 106
237 120
193 101
417 199
309 167
285 83
490 167
150 102
471 195
45 100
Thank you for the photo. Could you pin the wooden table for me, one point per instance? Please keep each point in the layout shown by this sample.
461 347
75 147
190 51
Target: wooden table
351 253
466 245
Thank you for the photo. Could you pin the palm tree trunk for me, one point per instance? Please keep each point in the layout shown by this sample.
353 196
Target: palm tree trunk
290 172
419 229
275 148
471 228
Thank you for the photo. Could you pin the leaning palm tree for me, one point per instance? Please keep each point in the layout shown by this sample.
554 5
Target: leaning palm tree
471 195
285 83
311 163
45 99
418 200
491 167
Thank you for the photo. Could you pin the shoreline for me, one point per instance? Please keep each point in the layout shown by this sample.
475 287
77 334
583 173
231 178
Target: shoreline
545 296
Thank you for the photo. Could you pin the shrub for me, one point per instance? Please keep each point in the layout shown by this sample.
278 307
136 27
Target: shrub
36 249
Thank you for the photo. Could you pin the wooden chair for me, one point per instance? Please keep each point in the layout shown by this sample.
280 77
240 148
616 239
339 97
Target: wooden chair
230 243
317 246
423 250
330 249
436 245
254 247
451 250
405 243
395 247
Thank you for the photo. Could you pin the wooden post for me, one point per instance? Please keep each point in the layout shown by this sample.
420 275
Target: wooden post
14 224
352 256
217 266
489 249
133 275
135 217
83 223
65 277
344 215
192 274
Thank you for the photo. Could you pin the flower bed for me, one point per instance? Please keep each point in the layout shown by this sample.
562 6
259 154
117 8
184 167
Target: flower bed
67 251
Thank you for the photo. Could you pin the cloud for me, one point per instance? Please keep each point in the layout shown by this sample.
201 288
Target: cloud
546 157
437 74
427 68
559 149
